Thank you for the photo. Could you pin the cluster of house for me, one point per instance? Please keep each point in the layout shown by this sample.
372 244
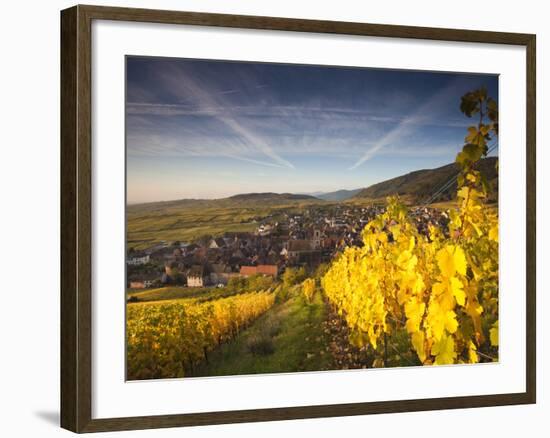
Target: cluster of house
424 217
307 239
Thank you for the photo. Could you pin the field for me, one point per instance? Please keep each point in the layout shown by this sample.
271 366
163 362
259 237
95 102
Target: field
175 293
187 221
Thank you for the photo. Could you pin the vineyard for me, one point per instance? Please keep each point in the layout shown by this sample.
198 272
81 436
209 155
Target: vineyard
440 289
402 296
168 338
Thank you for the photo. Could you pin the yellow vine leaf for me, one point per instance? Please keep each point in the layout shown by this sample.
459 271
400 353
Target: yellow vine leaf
417 340
451 324
493 334
493 232
451 259
444 351
457 289
439 320
414 311
472 353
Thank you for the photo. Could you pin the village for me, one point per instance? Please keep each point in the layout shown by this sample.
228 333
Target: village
310 238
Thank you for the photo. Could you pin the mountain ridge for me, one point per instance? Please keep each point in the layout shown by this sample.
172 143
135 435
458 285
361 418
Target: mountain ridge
259 196
338 195
419 185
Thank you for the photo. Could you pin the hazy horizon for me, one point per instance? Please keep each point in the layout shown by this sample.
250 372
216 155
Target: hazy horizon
235 194
212 129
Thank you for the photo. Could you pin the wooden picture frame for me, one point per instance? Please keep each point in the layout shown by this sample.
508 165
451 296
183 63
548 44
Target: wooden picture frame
76 218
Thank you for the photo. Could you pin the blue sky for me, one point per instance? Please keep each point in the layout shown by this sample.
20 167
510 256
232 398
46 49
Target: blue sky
211 129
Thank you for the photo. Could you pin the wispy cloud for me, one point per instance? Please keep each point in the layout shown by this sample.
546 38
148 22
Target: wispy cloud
404 128
304 112
159 145
191 117
229 91
196 143
187 87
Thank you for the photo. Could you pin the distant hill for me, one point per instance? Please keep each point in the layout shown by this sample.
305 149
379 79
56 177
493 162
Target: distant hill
240 200
339 195
270 197
419 185
413 187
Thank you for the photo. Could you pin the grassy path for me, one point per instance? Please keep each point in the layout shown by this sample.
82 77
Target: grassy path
288 338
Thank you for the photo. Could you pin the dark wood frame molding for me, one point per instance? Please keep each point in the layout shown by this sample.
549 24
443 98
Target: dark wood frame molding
76 173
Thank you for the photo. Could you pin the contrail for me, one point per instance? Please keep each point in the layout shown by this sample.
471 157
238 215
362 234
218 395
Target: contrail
405 126
186 86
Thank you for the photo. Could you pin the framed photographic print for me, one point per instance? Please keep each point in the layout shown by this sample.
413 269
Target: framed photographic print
258 208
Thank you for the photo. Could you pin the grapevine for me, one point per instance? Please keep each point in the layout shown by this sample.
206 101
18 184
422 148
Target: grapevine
308 289
441 288
168 338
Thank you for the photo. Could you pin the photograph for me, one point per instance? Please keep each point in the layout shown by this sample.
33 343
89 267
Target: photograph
289 218
274 219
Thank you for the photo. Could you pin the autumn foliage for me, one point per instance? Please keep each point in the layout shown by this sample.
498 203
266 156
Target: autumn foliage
308 289
442 288
168 338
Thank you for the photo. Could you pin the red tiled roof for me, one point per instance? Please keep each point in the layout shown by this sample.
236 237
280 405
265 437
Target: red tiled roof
248 270
260 269
267 269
